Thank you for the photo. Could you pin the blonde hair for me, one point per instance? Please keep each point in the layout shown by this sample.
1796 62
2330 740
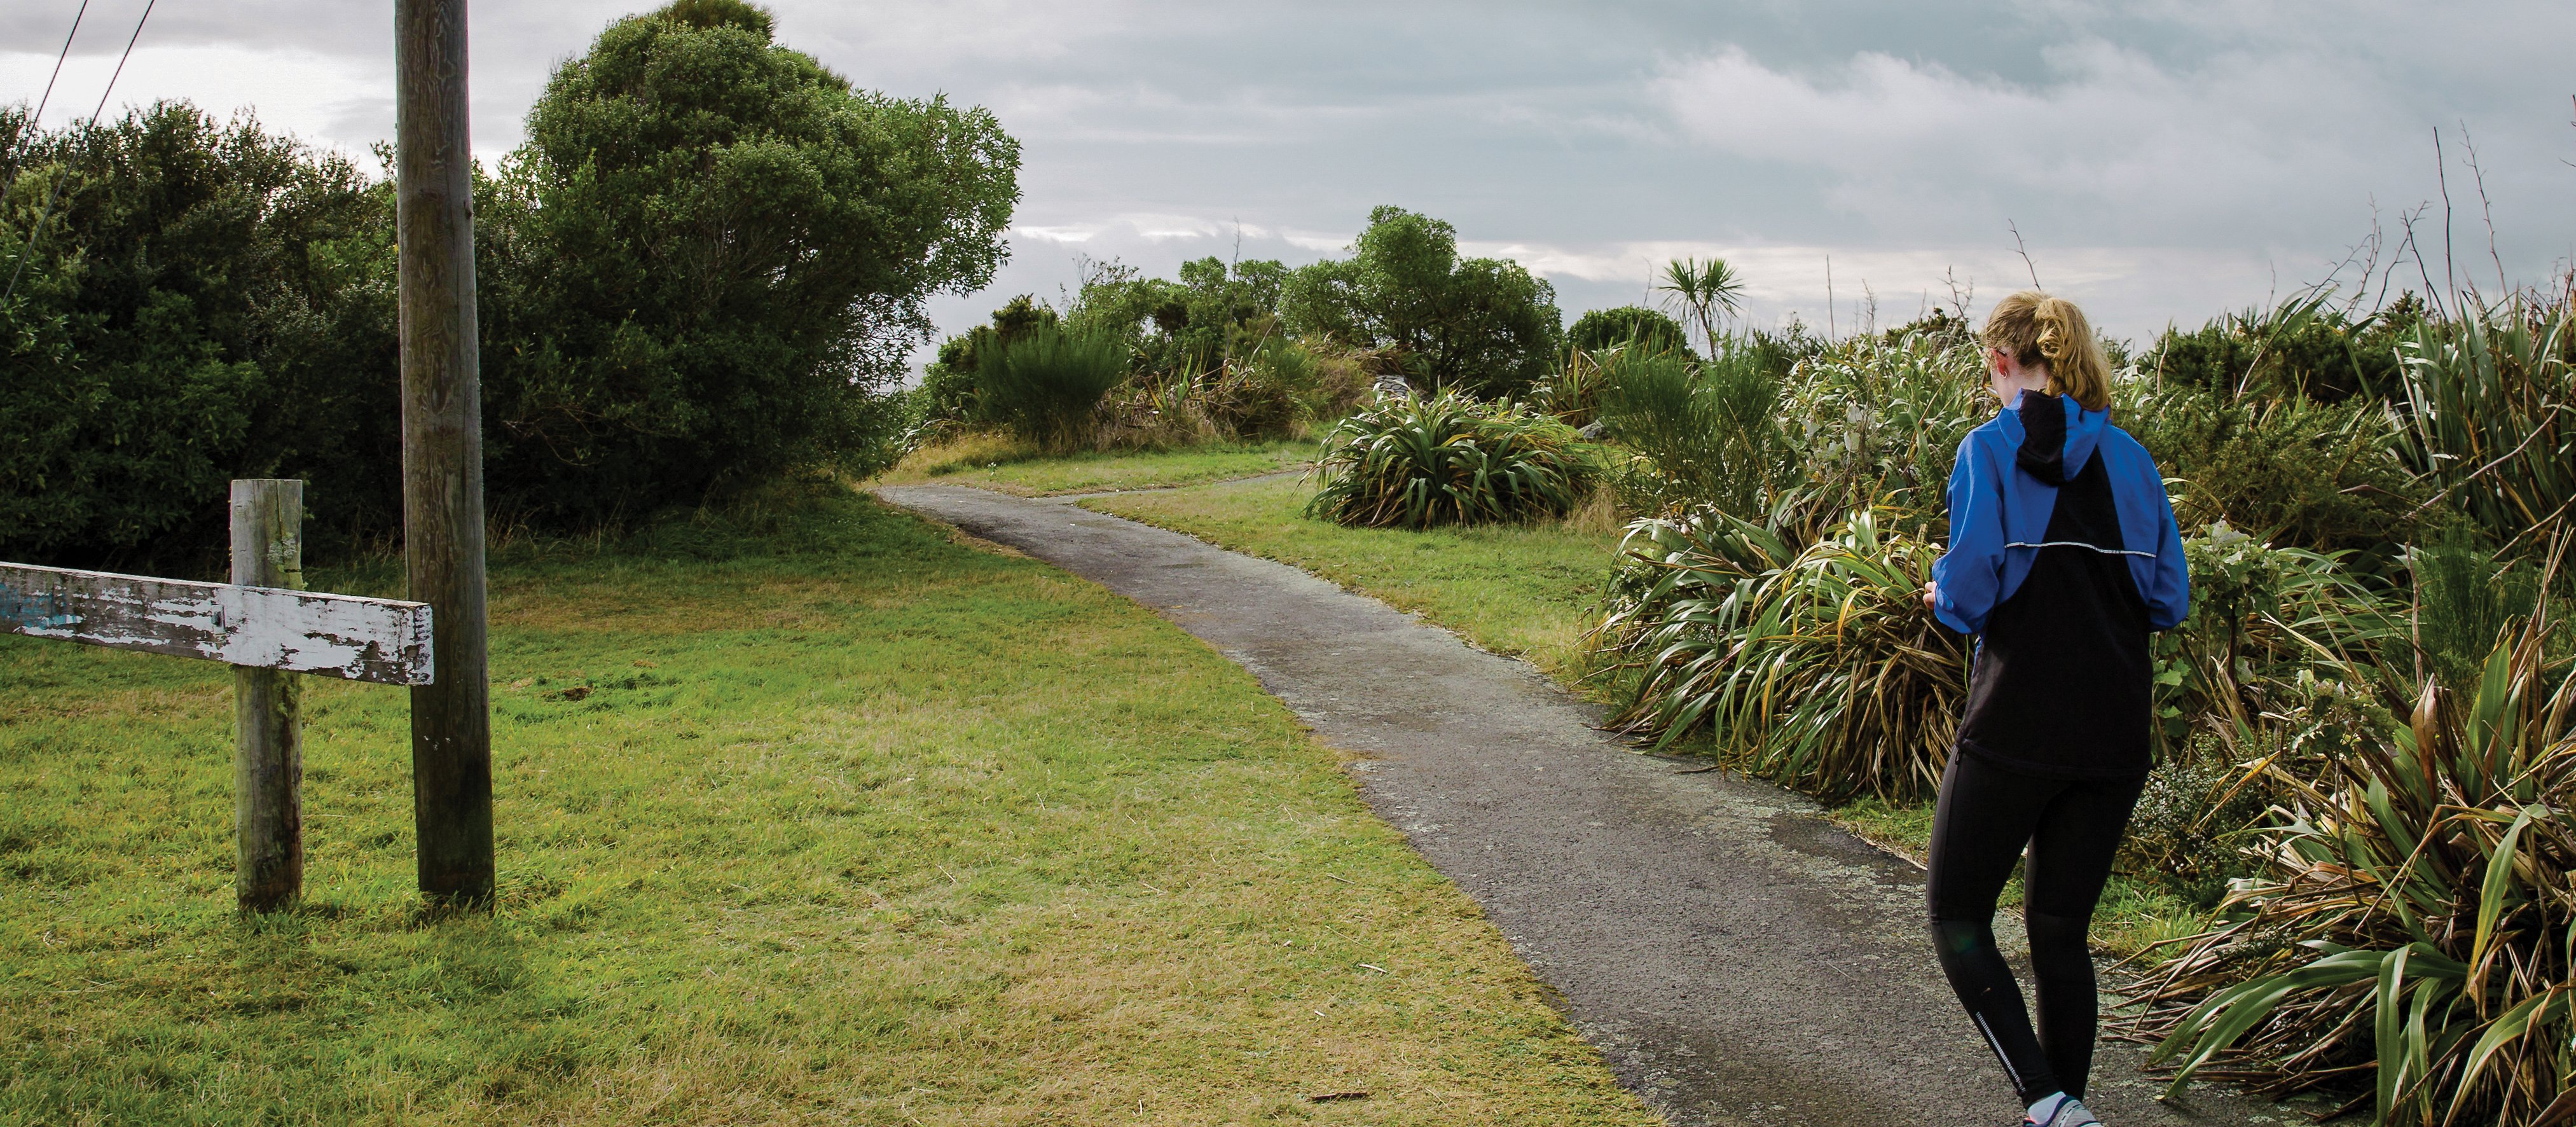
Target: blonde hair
2051 333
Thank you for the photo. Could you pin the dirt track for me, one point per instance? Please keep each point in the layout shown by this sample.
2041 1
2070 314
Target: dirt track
1737 958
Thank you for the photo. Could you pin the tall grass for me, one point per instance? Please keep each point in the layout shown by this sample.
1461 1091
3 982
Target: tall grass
1046 386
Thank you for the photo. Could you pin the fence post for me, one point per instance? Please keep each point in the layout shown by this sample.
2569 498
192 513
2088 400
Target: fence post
268 728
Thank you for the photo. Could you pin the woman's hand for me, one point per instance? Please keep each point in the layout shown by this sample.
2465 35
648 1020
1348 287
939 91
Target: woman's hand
1928 590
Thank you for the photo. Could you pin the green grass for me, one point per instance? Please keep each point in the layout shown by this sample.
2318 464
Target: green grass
812 816
1004 465
1527 590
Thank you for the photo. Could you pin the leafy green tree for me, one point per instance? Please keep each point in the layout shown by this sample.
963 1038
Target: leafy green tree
1626 325
207 301
1215 312
1483 325
708 264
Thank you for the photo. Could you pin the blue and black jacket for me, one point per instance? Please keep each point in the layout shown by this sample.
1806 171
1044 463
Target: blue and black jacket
2063 558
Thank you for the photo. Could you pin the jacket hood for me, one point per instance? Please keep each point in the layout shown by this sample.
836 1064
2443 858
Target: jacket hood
2058 436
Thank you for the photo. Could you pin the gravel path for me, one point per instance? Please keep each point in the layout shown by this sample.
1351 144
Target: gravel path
1737 958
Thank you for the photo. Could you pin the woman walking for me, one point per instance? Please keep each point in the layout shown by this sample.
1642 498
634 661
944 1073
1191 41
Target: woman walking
2063 558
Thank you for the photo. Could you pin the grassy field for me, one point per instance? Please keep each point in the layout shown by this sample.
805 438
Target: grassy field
1525 590
995 462
812 816
1530 591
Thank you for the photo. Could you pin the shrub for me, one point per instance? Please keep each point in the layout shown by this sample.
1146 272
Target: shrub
1628 326
2303 349
1415 463
708 264
2264 622
1264 394
1818 668
2465 600
1214 315
948 384
1707 432
1046 387
1480 325
1875 423
208 301
2321 476
2410 920
2186 835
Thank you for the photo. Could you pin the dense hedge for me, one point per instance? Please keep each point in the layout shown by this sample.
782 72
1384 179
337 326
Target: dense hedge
209 301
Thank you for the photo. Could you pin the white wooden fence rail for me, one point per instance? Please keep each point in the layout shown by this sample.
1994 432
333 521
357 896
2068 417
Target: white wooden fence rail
381 640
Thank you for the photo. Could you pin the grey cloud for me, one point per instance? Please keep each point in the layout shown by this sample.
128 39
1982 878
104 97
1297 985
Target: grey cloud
2181 156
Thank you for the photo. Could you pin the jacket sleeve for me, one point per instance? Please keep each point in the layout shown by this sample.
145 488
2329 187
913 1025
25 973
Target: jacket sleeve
2169 598
1966 579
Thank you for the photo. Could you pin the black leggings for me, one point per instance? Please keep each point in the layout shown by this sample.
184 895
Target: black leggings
2072 828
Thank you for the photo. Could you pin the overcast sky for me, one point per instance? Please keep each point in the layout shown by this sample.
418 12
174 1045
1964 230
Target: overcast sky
2164 161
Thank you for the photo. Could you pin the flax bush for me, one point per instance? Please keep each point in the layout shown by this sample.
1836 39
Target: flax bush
1411 462
2490 414
2410 927
1818 667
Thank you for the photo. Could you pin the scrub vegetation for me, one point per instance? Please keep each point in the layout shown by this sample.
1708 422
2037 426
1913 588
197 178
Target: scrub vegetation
824 817
807 814
2339 877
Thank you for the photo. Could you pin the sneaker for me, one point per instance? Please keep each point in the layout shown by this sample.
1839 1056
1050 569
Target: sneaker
2068 1112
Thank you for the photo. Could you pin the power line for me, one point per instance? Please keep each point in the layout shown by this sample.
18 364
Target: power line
58 64
54 193
120 61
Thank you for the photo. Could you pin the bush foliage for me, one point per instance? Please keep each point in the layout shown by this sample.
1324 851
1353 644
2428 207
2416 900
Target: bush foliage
1412 462
707 265
1815 665
1046 385
1627 326
702 272
208 301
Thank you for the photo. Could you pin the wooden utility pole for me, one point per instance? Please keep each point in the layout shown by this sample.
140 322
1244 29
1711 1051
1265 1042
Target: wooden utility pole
451 720
268 710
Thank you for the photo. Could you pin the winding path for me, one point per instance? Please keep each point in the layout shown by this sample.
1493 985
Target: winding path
1737 958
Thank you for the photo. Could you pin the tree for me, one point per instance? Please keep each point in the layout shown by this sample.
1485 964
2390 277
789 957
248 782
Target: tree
1484 325
207 301
708 264
1624 326
1705 290
1213 313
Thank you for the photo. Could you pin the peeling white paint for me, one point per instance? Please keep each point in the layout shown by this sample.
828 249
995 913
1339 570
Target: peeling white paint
381 640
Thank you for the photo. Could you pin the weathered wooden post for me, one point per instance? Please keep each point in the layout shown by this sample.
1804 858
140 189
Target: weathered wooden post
268 725
451 721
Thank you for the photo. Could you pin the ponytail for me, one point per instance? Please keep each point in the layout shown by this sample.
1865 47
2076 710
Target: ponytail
2048 332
